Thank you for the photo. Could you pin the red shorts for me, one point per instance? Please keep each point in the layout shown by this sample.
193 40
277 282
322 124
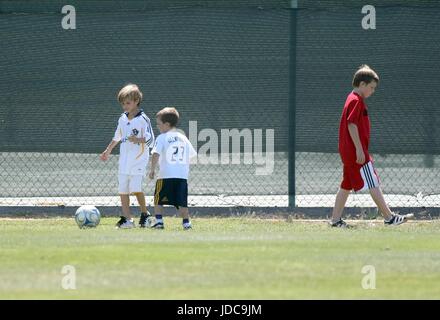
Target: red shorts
359 178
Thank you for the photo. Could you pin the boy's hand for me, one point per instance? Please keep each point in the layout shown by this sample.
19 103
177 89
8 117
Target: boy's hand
135 139
132 139
360 156
151 174
104 156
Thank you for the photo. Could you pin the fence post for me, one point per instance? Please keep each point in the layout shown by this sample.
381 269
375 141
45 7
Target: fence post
292 102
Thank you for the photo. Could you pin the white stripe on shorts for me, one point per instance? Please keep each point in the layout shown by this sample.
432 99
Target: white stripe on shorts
369 176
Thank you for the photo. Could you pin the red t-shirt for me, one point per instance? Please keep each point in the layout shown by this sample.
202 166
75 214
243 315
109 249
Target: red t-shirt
356 112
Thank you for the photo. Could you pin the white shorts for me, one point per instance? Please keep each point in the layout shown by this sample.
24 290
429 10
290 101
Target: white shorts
129 184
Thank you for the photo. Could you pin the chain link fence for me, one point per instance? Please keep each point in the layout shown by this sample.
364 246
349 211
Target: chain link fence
224 65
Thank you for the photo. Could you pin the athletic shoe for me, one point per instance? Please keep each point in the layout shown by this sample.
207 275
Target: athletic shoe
146 220
187 226
339 224
397 219
123 223
157 225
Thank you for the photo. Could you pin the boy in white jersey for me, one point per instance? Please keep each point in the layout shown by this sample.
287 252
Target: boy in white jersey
136 136
172 150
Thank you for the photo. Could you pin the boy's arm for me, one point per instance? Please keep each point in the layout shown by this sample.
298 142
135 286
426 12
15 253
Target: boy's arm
104 156
137 140
354 134
148 136
116 138
151 140
154 161
148 139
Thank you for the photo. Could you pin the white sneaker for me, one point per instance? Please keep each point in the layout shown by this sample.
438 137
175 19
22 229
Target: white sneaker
187 226
146 221
397 219
129 224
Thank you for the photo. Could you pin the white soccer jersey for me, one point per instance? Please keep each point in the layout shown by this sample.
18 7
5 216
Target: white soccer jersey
133 157
175 152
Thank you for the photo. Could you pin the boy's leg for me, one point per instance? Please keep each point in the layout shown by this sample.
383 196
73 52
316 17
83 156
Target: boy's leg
140 196
125 199
160 191
372 180
377 195
389 217
146 219
158 211
135 187
181 201
125 204
126 221
184 212
341 199
342 196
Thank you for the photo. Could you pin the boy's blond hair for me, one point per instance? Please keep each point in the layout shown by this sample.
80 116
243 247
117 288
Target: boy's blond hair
364 74
130 92
170 115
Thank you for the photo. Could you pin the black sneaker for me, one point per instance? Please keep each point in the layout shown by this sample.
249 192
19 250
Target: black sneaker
146 220
157 225
121 222
339 224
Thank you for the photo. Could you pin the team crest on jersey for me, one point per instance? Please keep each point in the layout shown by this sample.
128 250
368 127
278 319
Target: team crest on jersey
135 132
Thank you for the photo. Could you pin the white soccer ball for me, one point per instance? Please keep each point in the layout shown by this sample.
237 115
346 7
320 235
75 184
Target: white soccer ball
87 217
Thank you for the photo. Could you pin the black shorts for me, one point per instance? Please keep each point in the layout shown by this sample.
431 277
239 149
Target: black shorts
172 191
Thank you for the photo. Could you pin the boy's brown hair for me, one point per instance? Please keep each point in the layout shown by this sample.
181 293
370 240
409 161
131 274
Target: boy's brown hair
170 115
364 74
130 92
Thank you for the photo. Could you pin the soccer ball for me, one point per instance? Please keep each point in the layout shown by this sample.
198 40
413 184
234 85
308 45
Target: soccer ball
87 217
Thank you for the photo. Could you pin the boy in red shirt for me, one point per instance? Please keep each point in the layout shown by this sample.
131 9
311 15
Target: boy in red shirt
354 139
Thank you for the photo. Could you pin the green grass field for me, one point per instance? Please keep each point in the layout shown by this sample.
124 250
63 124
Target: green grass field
221 258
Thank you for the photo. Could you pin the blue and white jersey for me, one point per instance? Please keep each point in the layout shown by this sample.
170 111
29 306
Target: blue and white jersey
133 157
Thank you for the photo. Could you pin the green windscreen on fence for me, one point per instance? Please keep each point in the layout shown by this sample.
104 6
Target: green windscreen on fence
223 65
404 50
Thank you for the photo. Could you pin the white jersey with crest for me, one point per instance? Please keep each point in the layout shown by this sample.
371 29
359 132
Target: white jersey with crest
175 152
133 157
